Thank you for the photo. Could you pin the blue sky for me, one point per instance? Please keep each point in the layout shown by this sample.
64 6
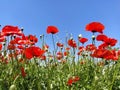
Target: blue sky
68 15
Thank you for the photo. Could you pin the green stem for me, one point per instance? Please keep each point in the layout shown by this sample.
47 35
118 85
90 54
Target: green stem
54 52
74 61
116 70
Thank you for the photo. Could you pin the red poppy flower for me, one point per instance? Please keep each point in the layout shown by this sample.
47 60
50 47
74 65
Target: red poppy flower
11 47
59 44
66 53
98 53
52 30
83 40
106 54
33 51
81 48
59 55
67 48
27 40
72 43
101 37
45 47
20 47
110 41
76 78
2 37
11 30
43 57
32 39
23 71
102 46
91 47
0 46
70 82
118 53
95 27
110 55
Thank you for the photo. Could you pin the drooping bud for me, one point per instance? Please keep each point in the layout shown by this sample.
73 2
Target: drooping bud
22 29
93 37
13 87
80 36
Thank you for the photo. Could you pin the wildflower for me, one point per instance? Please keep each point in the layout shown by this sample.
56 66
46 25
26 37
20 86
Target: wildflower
11 30
102 46
2 37
110 41
95 27
83 40
32 39
101 37
106 54
45 47
98 53
66 53
33 51
72 80
23 71
59 44
43 57
0 46
11 47
20 47
67 48
118 52
76 78
72 43
59 55
91 47
52 30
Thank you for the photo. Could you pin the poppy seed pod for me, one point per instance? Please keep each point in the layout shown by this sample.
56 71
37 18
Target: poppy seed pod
71 38
22 29
80 36
41 36
93 37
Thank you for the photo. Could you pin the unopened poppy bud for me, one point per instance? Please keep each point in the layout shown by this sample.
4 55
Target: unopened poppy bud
22 29
41 36
71 38
96 78
13 87
93 37
80 36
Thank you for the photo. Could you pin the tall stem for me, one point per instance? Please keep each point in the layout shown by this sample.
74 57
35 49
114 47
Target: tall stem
74 61
54 52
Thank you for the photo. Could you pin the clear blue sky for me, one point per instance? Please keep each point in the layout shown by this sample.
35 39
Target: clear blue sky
67 15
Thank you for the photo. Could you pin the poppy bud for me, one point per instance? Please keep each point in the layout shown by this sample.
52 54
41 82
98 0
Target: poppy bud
13 87
80 36
41 36
22 29
96 78
71 38
93 37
